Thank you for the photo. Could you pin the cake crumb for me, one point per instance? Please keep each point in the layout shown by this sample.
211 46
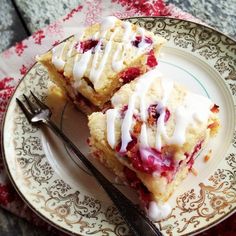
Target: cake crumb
194 171
208 156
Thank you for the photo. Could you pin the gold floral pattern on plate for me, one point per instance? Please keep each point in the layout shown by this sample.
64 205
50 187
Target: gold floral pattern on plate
75 203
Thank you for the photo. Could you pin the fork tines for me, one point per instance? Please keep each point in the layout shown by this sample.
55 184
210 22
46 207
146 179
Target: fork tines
33 107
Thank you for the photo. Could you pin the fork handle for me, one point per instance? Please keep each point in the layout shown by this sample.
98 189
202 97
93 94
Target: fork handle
137 221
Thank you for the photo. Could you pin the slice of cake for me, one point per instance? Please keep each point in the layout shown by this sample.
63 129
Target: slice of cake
96 62
152 134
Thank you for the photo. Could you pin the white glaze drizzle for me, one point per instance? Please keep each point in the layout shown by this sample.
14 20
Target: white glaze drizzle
97 50
70 49
111 115
117 64
80 66
57 54
161 130
142 87
97 67
142 46
127 123
95 36
141 31
195 109
127 31
157 211
143 139
115 100
95 73
167 86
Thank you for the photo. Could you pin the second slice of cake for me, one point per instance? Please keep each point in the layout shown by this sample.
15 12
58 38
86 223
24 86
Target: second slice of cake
96 62
152 134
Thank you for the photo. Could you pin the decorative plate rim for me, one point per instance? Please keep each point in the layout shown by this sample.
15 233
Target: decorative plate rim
40 214
172 18
30 205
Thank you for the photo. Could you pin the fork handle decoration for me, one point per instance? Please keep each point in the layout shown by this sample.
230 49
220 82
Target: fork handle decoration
137 221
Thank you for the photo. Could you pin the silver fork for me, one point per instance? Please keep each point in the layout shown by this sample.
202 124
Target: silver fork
39 113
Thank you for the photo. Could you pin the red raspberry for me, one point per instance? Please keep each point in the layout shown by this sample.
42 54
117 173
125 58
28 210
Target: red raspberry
149 160
167 115
129 147
154 115
88 44
130 74
138 39
151 60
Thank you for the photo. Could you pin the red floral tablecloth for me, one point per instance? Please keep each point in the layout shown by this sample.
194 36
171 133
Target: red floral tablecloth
15 62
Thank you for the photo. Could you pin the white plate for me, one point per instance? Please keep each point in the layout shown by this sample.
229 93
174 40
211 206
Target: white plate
58 187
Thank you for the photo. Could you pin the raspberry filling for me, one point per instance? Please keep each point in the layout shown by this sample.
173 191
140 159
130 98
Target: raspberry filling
190 157
87 45
130 74
129 147
153 114
147 160
151 60
123 112
136 184
167 115
138 40
153 160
